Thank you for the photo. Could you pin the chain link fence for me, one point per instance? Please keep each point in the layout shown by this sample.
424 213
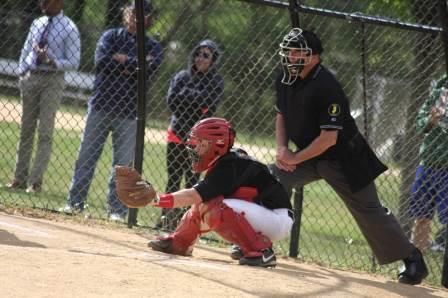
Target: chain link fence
386 72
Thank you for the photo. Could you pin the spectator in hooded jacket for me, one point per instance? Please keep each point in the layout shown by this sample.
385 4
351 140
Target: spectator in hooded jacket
194 94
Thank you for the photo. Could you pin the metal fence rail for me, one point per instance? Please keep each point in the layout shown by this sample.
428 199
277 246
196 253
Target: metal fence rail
385 57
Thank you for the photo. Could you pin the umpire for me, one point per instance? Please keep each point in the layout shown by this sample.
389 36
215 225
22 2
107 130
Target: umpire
313 113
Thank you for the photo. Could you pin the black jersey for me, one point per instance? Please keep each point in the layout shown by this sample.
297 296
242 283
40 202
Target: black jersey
312 104
317 103
233 171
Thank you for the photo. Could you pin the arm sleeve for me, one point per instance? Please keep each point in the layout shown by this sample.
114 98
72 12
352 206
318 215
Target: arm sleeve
174 97
104 51
211 99
422 120
154 57
279 101
27 48
332 107
206 98
72 51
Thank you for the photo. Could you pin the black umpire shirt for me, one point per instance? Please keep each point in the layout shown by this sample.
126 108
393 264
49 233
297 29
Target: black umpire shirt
232 171
319 102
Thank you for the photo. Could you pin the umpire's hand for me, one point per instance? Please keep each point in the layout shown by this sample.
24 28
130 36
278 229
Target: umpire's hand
284 159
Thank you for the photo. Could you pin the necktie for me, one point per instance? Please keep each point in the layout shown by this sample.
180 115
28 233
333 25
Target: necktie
43 41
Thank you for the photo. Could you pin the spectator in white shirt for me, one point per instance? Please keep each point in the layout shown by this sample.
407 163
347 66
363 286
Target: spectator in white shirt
51 47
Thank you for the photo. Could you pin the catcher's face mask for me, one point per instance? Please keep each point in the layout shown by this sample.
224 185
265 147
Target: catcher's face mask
294 55
200 153
209 139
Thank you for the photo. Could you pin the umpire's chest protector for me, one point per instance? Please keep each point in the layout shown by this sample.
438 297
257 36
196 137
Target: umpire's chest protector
359 163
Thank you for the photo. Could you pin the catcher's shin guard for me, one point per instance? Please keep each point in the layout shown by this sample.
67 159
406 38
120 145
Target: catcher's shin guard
186 234
234 227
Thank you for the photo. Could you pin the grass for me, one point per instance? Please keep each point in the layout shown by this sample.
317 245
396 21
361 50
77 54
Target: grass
329 234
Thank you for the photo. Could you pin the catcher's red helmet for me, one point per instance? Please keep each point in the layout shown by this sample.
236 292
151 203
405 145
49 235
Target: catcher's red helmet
209 139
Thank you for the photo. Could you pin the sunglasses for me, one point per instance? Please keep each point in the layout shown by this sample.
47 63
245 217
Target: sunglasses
203 55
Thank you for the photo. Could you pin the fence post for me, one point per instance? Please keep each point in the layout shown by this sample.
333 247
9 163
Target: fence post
297 193
443 15
295 230
141 102
294 13
365 103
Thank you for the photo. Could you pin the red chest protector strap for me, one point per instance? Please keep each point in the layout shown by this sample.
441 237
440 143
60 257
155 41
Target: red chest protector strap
245 193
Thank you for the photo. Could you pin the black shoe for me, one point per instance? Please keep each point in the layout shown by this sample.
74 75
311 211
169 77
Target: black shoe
267 259
70 210
34 188
414 270
235 252
16 184
163 245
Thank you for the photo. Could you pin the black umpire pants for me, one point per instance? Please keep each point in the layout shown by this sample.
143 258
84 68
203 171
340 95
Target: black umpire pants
378 225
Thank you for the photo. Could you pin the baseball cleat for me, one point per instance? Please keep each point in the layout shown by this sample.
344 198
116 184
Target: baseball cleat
235 252
163 245
267 259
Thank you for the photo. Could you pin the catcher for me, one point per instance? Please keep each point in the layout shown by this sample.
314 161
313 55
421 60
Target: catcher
238 198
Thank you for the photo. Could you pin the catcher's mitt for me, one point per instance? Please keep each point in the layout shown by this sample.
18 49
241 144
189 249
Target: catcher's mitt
132 190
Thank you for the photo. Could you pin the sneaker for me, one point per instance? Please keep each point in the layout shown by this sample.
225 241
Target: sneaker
68 209
414 269
163 245
16 184
235 252
117 217
34 188
437 247
267 259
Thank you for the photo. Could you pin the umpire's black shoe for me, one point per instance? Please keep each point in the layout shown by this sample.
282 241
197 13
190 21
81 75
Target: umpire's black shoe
267 259
414 270
235 252
163 245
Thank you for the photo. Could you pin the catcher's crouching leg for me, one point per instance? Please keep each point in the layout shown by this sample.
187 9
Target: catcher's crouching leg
234 227
182 240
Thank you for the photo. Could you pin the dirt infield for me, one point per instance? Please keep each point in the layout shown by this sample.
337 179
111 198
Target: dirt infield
65 257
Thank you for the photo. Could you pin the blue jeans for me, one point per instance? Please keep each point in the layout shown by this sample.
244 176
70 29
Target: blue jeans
98 126
430 193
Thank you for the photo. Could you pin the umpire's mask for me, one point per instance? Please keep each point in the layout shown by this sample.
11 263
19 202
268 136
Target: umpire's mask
292 68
